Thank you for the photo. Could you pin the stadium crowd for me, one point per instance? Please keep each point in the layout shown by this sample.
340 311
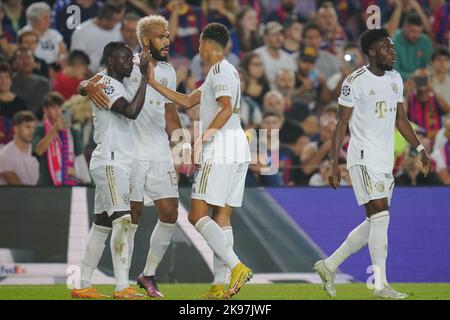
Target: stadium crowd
292 56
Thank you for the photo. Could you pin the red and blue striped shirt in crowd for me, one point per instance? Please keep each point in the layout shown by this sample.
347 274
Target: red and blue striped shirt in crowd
191 21
425 114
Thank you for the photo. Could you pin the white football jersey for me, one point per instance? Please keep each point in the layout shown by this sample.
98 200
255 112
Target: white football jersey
372 123
230 142
112 131
149 129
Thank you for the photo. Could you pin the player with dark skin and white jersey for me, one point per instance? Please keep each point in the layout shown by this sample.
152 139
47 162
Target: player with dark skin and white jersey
371 103
110 167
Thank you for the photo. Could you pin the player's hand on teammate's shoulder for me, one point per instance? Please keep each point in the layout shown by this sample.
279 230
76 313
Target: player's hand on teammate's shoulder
426 162
334 175
94 89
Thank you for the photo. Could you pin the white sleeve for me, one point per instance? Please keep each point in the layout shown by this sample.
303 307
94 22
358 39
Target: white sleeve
349 95
400 89
172 84
114 90
439 159
219 84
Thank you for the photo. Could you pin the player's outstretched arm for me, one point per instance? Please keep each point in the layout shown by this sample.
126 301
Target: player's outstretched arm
183 100
94 89
404 127
334 175
132 109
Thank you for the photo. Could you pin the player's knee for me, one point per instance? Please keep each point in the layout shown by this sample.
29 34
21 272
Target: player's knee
168 211
168 217
136 212
192 217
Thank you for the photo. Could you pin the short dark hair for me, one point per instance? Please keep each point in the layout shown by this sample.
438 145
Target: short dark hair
23 116
111 48
27 33
6 68
311 26
53 98
130 16
216 32
440 52
414 19
107 10
78 56
370 37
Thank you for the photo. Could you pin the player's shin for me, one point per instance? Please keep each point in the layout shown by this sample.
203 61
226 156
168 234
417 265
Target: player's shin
220 268
356 239
378 246
92 253
131 234
159 242
120 250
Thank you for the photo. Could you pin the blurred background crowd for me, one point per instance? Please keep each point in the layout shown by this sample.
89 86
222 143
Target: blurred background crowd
292 56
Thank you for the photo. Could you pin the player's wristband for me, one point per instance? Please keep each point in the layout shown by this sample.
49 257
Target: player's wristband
419 148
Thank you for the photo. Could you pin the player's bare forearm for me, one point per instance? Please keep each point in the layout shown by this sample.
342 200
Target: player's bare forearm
11 178
173 121
220 119
183 100
404 126
344 115
131 110
82 87
44 143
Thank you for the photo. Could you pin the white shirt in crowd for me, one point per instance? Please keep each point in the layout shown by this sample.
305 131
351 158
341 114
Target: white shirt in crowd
273 66
112 131
374 101
48 47
91 39
24 165
230 143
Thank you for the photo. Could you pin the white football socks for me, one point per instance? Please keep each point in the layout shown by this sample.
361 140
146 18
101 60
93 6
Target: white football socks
356 239
159 242
378 246
217 241
120 250
131 234
92 253
220 268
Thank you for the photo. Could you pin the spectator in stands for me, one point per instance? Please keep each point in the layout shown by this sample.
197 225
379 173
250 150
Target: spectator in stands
143 8
56 145
64 21
93 34
401 10
286 9
412 171
220 11
250 113
185 24
425 107
273 58
257 84
51 44
10 103
7 48
327 63
245 36
17 165
67 80
351 59
440 77
413 47
320 179
30 87
441 157
441 25
333 34
294 108
128 30
14 18
311 85
292 36
30 40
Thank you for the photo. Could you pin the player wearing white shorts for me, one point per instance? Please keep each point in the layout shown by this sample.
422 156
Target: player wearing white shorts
110 168
219 183
371 102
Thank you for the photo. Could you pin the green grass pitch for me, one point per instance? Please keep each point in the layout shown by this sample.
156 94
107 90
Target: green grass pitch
356 291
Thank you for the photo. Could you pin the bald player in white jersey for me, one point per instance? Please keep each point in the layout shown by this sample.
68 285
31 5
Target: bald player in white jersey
220 180
153 175
371 102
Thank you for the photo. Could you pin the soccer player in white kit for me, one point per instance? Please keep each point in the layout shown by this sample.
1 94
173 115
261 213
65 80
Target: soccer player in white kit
220 181
371 102
153 175
110 168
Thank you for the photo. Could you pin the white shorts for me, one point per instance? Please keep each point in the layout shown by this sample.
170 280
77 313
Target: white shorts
112 189
370 185
220 184
152 180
